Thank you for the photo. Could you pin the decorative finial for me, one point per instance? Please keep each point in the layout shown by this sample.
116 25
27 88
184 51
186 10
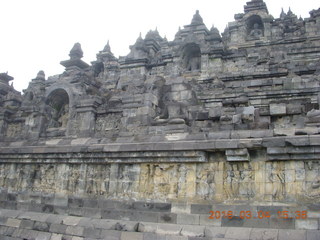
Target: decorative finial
197 19
41 75
76 52
107 47
282 14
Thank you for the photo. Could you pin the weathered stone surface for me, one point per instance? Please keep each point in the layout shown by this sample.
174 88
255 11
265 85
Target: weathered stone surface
292 234
168 130
238 233
260 234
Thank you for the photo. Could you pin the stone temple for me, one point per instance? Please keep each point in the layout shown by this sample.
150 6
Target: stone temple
146 145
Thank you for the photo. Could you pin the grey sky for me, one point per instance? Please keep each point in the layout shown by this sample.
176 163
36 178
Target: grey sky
38 34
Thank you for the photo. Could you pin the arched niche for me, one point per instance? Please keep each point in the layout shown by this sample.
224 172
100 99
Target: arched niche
255 27
98 68
191 57
57 109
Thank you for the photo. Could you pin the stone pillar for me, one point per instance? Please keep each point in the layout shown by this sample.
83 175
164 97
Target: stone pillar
3 125
86 112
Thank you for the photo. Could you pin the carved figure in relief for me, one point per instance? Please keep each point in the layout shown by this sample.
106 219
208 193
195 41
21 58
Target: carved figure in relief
231 183
205 179
146 179
162 179
277 177
63 116
256 32
193 64
316 183
315 188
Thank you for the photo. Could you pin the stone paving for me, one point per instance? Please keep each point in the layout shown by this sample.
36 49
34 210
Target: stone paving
24 225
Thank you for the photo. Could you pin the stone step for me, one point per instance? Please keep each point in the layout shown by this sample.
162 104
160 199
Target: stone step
250 216
244 215
17 224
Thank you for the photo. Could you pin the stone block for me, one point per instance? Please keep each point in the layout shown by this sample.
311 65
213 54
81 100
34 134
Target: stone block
226 144
180 208
310 224
131 236
298 141
26 234
169 229
110 235
278 109
200 208
177 238
256 223
215 232
147 227
314 140
58 228
313 235
294 109
285 234
167 218
75 230
261 133
43 236
219 135
281 223
284 131
60 200
215 112
236 119
77 238
75 202
55 236
233 222
153 207
193 231
41 226
144 216
153 236
55 219
92 212
273 142
3 220
261 234
238 233
46 208
4 229
206 221
12 222
190 219
90 232
70 220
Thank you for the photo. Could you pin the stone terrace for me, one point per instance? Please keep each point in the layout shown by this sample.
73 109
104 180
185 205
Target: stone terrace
144 146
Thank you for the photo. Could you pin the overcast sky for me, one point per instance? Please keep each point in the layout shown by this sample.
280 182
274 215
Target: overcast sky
38 34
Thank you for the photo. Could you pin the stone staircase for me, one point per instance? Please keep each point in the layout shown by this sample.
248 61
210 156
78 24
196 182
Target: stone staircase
28 225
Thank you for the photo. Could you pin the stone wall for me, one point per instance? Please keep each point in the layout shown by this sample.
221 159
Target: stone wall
217 181
203 119
220 175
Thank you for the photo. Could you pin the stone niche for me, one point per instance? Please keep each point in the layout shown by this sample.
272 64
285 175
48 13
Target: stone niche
57 112
255 27
191 57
